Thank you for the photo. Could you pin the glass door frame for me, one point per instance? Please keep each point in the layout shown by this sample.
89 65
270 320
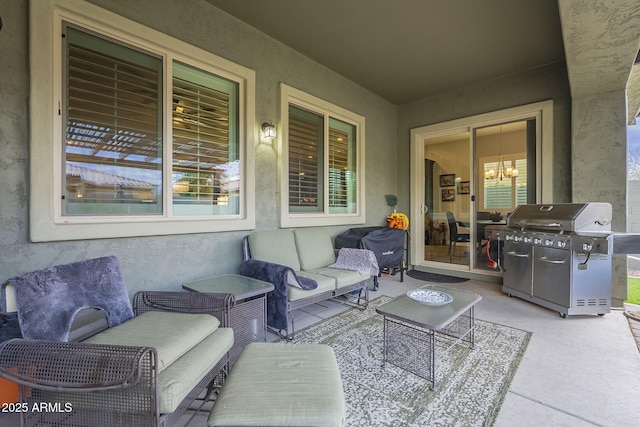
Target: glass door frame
542 112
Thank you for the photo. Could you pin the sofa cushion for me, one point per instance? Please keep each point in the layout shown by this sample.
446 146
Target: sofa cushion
342 277
171 334
177 380
325 284
314 248
276 246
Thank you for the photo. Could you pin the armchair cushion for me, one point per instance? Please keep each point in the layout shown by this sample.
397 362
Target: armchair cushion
185 373
71 287
171 334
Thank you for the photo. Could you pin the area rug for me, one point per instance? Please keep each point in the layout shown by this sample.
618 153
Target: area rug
432 277
470 383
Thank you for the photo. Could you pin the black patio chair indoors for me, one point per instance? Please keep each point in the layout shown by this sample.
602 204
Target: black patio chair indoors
454 236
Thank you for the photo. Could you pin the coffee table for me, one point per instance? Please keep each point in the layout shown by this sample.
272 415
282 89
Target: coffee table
412 329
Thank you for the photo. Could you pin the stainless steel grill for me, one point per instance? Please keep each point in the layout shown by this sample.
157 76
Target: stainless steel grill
559 256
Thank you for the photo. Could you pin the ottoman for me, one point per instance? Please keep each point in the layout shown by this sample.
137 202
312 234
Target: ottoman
275 384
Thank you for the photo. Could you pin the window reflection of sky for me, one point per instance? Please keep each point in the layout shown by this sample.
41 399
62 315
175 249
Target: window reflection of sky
231 170
153 177
633 152
633 135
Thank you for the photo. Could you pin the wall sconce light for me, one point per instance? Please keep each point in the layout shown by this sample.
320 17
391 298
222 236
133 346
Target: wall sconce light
269 131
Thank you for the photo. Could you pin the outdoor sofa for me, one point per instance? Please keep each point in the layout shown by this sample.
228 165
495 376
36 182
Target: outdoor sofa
90 357
302 265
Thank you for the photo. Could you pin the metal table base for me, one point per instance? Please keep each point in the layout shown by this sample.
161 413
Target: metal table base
416 332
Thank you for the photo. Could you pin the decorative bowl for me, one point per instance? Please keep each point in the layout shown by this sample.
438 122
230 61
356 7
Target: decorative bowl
430 297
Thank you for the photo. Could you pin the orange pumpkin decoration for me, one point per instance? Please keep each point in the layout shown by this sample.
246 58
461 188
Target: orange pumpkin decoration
398 220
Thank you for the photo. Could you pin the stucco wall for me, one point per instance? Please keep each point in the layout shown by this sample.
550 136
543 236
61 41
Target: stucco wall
541 84
166 262
599 165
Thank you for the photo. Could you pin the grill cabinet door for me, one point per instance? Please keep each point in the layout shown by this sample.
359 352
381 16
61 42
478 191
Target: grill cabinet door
518 267
552 280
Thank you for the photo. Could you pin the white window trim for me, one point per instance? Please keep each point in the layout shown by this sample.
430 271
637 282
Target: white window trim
302 99
46 220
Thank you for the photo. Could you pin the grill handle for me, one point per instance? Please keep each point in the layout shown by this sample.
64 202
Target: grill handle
517 255
553 261
550 225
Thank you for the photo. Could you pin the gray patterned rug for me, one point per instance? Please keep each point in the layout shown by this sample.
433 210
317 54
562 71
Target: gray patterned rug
470 384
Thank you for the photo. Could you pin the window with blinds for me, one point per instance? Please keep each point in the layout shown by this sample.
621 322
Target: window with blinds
342 167
323 162
205 176
113 131
148 135
306 158
307 148
506 193
114 115
521 182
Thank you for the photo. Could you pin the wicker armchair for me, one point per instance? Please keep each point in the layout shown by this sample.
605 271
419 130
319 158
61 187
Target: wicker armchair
84 384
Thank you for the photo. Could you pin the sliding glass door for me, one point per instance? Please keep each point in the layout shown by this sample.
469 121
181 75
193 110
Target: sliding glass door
466 180
504 164
447 177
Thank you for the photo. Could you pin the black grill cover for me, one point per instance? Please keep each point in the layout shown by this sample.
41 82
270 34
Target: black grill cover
386 243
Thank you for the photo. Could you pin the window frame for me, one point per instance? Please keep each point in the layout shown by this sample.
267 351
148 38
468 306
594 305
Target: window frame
47 223
300 99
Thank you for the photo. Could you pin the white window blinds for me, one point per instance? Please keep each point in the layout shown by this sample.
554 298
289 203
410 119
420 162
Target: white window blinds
508 192
205 146
113 139
342 167
306 136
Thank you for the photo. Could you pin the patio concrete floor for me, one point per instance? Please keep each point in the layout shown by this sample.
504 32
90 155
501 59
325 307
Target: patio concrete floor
577 371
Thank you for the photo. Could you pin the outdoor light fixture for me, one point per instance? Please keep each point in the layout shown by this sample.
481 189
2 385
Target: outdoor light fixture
269 131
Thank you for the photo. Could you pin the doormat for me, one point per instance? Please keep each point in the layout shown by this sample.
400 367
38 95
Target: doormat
432 277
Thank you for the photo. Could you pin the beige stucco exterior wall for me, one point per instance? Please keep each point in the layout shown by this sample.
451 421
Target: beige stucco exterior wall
598 168
601 41
165 262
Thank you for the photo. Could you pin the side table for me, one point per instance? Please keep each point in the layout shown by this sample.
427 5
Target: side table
248 317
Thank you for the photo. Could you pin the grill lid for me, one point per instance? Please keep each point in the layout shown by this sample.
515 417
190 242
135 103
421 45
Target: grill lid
563 217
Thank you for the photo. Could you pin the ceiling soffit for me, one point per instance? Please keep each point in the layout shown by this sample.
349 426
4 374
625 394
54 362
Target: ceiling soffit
414 49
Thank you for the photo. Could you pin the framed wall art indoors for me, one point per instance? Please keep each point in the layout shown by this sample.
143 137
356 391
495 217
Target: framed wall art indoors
448 195
464 187
448 180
